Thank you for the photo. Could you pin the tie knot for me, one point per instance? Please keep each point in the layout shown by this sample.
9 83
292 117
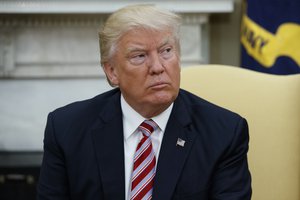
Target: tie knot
147 127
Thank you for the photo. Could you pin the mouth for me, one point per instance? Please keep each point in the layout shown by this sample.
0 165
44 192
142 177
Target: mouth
158 86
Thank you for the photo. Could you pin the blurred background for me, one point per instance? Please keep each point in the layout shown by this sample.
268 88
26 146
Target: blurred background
49 57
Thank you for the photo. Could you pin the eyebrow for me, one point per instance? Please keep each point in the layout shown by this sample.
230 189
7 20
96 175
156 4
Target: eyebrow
139 47
134 49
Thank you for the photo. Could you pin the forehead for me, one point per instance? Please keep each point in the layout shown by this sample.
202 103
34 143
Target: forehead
142 38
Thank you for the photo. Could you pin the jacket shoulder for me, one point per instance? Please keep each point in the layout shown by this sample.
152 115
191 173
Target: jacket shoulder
92 105
82 113
195 103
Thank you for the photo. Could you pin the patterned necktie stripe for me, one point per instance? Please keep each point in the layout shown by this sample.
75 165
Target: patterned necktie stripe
142 172
148 196
144 164
143 150
143 187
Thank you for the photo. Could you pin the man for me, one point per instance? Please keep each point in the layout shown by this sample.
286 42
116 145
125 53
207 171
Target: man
146 138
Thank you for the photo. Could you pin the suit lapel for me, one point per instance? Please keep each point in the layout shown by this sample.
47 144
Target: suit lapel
108 142
172 156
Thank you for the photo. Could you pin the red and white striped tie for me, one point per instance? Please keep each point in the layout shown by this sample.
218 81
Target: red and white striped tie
144 164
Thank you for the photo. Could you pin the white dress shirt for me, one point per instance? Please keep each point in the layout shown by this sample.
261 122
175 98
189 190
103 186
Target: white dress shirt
131 121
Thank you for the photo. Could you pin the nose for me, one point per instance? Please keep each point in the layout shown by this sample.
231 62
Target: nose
155 64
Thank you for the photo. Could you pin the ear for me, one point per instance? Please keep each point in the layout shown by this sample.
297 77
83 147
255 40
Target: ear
111 74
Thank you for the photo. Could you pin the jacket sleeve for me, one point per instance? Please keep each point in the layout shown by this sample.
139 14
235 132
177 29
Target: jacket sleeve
53 182
232 179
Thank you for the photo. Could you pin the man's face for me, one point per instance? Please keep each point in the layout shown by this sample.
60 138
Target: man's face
146 67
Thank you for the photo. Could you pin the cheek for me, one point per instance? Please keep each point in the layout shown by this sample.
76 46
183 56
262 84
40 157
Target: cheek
175 71
133 80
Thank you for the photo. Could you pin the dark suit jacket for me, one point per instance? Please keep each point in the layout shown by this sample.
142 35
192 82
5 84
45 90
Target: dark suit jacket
84 153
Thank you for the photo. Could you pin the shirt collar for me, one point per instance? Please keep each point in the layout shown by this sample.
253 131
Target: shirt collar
132 119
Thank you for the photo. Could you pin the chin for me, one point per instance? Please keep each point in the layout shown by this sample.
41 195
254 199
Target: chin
164 99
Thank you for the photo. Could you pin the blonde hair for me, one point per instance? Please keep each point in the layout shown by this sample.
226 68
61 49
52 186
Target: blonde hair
135 16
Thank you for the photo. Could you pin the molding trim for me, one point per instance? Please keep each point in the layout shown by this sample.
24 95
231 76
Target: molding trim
194 18
92 6
77 20
51 20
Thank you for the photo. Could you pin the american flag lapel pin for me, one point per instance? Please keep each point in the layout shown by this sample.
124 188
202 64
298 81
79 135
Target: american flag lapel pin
180 142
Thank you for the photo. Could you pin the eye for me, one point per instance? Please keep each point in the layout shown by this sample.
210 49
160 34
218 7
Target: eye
137 59
167 52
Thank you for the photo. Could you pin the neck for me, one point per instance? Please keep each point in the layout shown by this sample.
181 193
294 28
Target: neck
150 111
